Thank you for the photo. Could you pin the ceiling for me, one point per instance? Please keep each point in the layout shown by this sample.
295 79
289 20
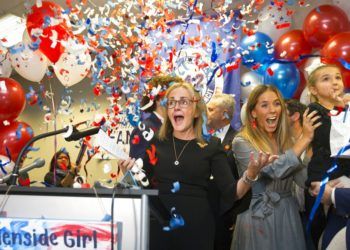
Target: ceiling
18 8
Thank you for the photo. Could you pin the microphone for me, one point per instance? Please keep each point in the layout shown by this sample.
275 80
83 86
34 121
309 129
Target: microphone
37 163
75 134
81 154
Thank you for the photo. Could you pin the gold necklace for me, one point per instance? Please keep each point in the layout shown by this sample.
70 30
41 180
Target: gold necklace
177 158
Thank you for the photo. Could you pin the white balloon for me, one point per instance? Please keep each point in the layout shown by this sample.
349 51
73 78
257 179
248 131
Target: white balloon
6 165
72 67
243 114
30 64
249 81
5 63
270 17
305 96
343 4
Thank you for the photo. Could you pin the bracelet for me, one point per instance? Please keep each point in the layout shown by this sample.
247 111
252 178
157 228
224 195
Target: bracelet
247 180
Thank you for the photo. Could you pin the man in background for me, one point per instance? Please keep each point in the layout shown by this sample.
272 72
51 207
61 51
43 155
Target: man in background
220 112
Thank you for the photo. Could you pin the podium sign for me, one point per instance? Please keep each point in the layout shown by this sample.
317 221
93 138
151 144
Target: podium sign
67 218
55 234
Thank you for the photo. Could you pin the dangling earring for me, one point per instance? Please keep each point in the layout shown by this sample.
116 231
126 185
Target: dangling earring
253 123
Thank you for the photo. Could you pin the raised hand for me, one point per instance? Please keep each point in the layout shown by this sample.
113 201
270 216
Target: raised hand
310 123
126 165
256 164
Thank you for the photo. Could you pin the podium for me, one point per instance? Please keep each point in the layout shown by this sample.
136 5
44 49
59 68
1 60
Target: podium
78 207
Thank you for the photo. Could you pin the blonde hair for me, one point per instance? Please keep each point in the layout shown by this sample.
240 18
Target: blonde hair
158 80
312 79
225 101
166 130
258 137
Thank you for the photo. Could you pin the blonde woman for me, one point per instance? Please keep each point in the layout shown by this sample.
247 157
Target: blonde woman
272 220
180 163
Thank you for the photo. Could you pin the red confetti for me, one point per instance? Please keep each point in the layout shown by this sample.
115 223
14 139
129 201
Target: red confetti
282 25
152 155
256 66
135 140
270 71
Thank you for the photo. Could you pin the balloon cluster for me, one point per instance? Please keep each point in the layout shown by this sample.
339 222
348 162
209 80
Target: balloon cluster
13 134
283 64
49 41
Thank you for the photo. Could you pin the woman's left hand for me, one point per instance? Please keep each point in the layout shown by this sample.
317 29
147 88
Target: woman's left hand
255 165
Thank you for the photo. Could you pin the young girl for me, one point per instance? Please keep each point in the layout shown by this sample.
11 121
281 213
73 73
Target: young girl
326 86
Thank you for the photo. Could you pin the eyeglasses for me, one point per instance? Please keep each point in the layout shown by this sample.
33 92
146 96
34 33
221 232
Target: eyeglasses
183 103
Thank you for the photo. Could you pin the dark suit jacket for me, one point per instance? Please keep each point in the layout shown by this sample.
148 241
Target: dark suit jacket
138 150
342 203
223 235
338 218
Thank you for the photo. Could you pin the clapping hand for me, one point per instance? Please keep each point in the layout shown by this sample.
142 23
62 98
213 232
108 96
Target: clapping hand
256 164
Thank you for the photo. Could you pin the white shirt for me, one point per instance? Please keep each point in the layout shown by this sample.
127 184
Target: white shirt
222 132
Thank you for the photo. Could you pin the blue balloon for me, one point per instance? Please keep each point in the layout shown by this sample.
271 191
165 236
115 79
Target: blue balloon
257 50
285 76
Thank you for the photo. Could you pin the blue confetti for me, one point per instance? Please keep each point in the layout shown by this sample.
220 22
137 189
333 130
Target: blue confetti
176 186
344 63
176 221
214 55
19 132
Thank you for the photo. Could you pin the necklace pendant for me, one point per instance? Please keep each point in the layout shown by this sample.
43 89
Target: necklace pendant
176 162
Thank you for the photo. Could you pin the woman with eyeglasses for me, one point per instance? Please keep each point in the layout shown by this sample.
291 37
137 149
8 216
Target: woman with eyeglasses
62 171
179 163
150 104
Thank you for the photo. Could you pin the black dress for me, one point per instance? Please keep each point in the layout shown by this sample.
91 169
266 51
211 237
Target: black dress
197 163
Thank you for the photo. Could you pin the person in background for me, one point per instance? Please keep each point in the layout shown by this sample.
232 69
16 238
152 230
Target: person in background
179 164
272 220
295 111
62 171
326 87
151 104
220 111
339 198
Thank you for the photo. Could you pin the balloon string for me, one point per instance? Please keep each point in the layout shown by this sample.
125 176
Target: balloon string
55 129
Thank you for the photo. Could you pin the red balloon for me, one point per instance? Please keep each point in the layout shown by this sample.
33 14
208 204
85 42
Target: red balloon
12 99
36 18
292 45
338 47
324 22
337 51
52 33
50 44
14 137
301 86
346 79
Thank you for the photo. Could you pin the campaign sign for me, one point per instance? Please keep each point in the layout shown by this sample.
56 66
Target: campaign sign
56 234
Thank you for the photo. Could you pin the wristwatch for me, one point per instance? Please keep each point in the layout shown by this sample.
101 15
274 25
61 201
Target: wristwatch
247 180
